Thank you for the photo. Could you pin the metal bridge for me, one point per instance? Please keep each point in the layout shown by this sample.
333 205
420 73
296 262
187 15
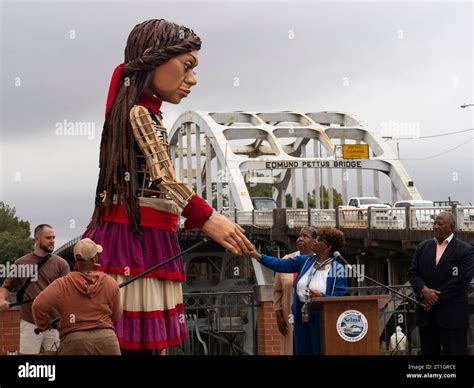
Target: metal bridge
221 155
236 148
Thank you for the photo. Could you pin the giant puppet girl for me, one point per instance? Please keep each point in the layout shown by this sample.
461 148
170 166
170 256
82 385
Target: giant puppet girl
138 197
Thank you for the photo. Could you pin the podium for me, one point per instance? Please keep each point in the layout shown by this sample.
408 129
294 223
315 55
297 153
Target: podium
350 324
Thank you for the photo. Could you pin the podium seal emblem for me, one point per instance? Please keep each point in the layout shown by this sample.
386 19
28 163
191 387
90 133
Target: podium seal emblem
352 325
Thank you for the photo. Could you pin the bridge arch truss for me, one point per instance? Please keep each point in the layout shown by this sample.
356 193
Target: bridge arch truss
220 154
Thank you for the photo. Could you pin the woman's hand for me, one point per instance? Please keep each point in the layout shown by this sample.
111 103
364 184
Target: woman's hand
224 232
314 293
253 253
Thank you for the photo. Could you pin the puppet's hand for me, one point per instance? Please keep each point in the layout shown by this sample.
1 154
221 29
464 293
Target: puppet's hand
226 233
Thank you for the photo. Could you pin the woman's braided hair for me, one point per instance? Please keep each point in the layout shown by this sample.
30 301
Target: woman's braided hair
150 44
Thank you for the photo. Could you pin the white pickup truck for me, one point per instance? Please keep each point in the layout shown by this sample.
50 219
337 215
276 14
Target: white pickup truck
365 202
362 204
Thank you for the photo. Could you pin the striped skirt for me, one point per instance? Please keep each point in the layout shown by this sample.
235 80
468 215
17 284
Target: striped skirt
153 311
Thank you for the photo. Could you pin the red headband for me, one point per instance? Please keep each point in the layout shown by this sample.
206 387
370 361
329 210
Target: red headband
147 100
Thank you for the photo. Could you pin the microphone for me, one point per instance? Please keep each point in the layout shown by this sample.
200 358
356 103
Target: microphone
337 255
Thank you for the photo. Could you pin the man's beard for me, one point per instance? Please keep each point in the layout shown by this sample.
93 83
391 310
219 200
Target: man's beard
46 249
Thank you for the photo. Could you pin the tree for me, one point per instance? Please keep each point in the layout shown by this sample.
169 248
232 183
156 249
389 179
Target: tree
260 190
289 202
324 195
15 240
225 197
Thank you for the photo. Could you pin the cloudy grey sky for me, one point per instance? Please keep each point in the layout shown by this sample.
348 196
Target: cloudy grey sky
403 64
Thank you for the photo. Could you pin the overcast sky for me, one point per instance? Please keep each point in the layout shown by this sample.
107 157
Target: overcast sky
403 64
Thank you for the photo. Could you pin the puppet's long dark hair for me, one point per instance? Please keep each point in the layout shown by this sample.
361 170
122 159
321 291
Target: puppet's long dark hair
149 45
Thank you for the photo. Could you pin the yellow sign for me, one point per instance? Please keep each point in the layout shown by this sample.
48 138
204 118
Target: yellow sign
355 151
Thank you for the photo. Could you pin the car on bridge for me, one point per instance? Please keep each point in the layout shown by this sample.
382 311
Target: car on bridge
413 203
264 203
361 204
366 202
422 216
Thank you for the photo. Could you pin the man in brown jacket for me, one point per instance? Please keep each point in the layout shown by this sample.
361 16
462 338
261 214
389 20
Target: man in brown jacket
88 301
30 275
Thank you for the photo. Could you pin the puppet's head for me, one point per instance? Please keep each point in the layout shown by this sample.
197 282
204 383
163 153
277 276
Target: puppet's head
155 49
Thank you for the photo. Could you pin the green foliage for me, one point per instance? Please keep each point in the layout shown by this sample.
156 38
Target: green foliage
260 190
324 195
15 240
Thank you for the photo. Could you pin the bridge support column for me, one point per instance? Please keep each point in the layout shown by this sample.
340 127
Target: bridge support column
268 336
344 179
330 190
389 271
394 194
293 188
376 183
304 172
208 172
198 160
317 178
360 184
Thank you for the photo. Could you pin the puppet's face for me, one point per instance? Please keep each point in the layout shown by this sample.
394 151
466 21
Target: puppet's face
173 80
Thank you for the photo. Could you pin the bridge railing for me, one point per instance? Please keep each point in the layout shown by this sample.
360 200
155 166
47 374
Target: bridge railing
394 218
465 218
67 245
422 218
229 214
322 217
398 218
263 218
244 217
353 218
297 217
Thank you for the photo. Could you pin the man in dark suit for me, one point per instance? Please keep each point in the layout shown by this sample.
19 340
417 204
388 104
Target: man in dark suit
440 274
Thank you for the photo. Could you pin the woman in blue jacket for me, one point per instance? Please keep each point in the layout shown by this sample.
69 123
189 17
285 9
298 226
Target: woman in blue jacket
319 274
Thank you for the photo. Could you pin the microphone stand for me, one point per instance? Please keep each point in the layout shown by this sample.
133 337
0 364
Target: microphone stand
338 256
55 322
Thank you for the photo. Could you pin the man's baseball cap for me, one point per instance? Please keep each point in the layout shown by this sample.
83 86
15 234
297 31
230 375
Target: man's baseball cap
86 249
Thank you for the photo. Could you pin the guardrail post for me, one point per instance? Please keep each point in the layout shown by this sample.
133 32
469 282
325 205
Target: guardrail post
279 218
408 220
454 210
369 219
